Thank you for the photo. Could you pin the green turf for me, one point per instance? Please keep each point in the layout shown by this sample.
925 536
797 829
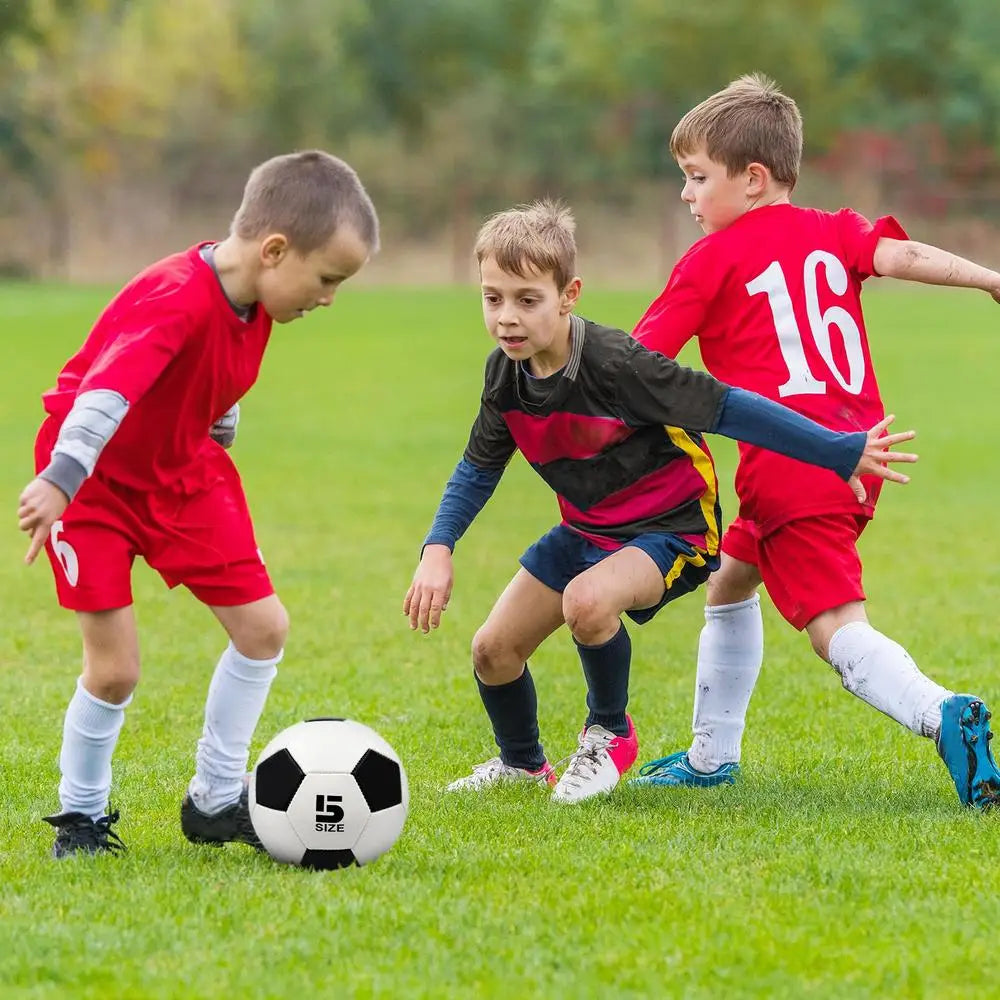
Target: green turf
842 866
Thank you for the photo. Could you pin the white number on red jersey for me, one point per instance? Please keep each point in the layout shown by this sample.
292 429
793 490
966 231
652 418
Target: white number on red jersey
801 381
66 555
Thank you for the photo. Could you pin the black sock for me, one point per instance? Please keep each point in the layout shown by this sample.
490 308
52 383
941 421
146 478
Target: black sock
606 668
513 710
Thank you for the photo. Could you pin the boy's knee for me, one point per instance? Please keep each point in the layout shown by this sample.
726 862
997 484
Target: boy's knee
727 586
263 635
587 613
492 658
110 679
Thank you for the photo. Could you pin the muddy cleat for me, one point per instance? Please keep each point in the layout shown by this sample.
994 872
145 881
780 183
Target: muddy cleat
677 770
598 764
229 825
964 746
495 772
79 834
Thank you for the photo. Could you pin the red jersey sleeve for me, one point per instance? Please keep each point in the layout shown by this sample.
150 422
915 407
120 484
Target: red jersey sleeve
676 315
859 237
144 339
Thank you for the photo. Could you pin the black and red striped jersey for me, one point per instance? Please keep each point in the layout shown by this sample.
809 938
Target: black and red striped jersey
615 434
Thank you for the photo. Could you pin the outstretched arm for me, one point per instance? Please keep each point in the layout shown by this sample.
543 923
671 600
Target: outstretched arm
748 417
931 265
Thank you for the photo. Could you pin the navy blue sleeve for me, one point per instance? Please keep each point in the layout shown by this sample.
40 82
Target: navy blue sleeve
464 497
747 416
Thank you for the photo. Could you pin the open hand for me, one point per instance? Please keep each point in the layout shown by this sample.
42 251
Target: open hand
431 588
876 456
40 506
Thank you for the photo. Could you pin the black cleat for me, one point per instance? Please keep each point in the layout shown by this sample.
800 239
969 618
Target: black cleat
229 825
79 834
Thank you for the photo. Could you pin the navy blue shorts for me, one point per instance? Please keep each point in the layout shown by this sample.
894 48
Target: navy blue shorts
562 554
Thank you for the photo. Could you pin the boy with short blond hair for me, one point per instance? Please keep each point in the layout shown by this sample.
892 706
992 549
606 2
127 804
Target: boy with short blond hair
601 420
131 461
773 295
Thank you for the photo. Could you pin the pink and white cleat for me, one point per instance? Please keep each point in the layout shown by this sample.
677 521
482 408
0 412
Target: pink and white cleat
496 772
598 764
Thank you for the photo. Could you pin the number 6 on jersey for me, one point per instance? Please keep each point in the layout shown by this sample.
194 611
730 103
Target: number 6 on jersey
801 381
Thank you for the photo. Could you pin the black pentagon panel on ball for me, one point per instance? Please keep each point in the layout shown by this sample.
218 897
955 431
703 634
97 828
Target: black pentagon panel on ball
328 860
278 779
378 778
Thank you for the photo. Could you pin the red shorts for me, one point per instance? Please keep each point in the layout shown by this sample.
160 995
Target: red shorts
203 540
808 566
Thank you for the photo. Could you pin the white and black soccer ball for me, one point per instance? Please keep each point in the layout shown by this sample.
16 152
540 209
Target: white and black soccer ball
328 793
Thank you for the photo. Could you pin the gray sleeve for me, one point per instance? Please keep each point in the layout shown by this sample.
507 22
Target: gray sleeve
223 431
88 427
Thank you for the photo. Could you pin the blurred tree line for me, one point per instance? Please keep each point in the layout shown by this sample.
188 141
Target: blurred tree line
449 108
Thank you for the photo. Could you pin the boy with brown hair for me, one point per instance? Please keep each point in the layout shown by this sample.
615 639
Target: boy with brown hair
131 461
601 420
773 294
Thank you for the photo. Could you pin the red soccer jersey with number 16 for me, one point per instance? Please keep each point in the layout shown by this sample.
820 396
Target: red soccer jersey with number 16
775 302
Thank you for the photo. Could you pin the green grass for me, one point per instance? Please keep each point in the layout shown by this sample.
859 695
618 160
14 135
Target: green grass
842 866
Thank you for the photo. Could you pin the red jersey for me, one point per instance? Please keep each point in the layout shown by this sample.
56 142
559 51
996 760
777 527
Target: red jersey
775 302
171 343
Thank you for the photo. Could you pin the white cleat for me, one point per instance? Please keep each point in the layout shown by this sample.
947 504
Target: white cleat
598 764
495 772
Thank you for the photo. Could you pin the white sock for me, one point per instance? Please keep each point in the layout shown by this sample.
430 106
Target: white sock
730 652
235 701
881 673
90 732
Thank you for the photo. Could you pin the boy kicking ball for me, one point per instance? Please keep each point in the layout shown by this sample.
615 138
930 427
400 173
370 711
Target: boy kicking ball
131 461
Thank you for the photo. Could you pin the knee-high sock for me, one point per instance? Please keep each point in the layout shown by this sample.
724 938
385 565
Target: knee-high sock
606 668
880 672
90 733
730 653
235 702
513 711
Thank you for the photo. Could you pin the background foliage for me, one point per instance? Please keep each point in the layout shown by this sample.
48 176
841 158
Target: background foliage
450 108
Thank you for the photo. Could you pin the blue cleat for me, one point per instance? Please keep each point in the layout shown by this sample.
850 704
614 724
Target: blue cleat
964 746
677 770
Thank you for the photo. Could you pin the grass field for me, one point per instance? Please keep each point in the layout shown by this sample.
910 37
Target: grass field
842 865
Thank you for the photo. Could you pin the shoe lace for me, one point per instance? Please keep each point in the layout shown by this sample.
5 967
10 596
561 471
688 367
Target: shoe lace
76 828
107 838
586 759
489 770
661 764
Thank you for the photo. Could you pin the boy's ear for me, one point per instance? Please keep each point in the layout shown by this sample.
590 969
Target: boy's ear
272 248
570 295
758 177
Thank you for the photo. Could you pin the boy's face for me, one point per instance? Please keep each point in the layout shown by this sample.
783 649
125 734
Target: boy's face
716 199
290 283
525 315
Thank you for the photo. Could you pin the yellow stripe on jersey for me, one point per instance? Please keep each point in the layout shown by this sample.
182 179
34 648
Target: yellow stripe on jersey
703 465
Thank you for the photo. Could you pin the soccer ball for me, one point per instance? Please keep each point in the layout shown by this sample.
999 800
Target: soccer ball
328 793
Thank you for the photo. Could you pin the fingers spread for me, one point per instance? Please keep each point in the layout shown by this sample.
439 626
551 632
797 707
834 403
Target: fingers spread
894 476
891 439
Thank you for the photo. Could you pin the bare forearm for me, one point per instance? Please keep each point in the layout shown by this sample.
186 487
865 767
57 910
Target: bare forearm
913 261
